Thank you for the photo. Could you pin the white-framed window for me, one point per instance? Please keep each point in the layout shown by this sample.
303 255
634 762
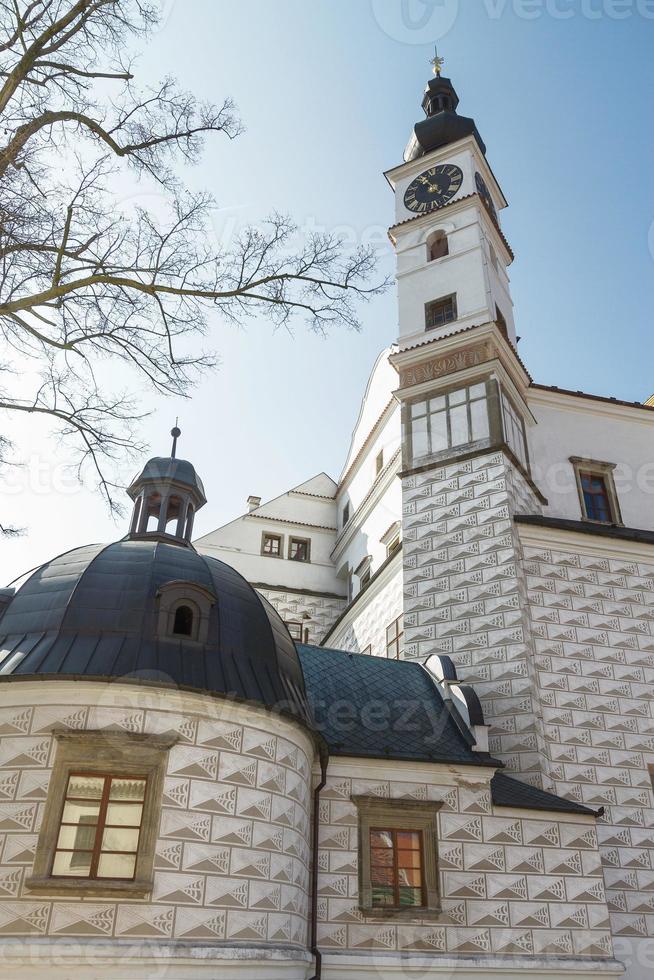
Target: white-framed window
514 431
447 421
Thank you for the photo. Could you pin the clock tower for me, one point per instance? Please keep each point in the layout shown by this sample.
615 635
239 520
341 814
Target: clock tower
465 425
452 257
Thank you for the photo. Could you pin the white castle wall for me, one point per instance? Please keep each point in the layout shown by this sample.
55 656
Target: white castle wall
233 852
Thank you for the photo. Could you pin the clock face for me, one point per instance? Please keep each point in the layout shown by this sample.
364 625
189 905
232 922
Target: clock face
433 188
484 194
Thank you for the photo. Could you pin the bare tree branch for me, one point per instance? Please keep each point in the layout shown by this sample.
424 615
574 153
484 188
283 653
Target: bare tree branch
86 280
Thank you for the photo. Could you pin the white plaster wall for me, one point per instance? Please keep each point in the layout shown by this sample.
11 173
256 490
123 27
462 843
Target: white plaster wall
516 885
303 512
233 854
573 426
365 625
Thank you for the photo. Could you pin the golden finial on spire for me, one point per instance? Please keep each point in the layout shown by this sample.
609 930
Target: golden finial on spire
437 64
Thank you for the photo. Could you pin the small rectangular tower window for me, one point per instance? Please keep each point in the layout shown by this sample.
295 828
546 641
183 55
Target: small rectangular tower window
440 312
271 545
379 462
299 549
346 515
597 493
514 431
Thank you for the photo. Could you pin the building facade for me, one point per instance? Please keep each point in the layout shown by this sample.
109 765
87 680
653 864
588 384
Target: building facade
393 726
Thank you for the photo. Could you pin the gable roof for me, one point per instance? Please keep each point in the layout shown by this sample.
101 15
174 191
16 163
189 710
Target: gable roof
376 708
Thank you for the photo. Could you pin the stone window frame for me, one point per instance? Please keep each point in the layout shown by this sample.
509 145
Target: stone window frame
408 815
121 754
307 541
170 597
605 470
278 537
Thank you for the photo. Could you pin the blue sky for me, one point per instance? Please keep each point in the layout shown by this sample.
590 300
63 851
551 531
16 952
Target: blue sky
329 90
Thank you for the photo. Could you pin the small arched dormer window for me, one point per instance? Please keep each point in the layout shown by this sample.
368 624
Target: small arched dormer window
183 621
437 246
184 611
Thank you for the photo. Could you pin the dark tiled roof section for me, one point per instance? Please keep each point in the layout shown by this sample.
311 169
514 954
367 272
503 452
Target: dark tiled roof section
376 708
510 792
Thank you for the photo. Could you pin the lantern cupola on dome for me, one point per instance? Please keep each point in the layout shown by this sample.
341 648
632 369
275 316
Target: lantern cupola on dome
166 494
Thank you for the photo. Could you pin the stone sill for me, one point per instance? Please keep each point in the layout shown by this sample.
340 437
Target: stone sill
87 889
414 915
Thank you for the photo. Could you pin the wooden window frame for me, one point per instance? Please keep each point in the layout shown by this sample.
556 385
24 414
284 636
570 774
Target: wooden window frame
400 815
441 301
395 884
277 537
303 631
123 755
307 541
594 467
399 636
97 851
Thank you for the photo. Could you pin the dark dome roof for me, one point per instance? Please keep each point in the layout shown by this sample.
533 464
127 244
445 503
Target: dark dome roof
93 613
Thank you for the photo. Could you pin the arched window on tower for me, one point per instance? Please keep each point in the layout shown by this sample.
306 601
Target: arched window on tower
173 513
153 508
183 622
437 246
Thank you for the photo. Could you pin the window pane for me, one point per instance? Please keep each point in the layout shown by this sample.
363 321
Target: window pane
119 839
408 841
406 876
419 437
457 397
477 391
408 859
418 408
479 414
81 812
116 866
85 787
438 424
383 896
124 814
75 864
437 404
382 857
79 838
410 896
127 789
459 425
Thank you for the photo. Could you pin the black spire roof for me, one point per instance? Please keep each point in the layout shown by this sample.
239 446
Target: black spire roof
443 124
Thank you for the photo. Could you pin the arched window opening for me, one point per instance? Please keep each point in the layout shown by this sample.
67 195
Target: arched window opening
153 508
173 513
183 622
437 246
